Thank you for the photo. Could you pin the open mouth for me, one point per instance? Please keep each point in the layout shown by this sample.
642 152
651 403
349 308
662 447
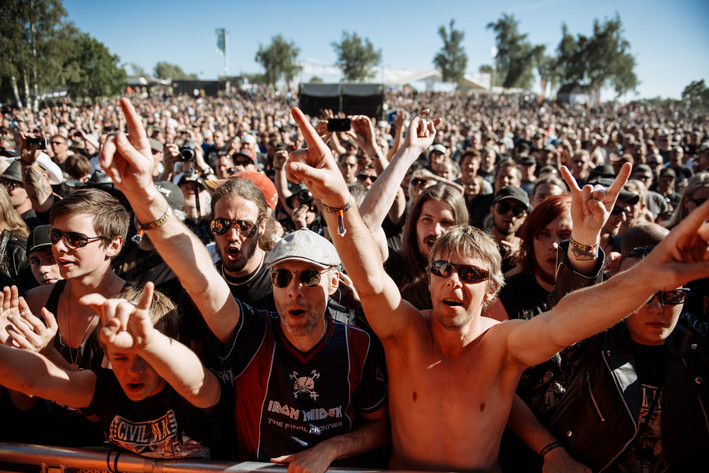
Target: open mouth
429 241
135 386
452 303
233 252
296 313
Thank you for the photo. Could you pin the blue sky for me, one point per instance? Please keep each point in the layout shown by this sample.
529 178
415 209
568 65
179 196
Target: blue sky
668 38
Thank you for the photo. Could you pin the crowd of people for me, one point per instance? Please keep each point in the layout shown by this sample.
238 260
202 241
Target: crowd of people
479 283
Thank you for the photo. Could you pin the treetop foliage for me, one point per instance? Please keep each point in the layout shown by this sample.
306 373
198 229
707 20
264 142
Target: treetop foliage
356 57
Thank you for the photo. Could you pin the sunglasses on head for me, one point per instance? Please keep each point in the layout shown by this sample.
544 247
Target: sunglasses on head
72 239
221 225
364 177
308 278
676 297
517 210
467 273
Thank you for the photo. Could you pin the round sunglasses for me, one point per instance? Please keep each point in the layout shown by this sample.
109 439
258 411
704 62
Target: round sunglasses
309 278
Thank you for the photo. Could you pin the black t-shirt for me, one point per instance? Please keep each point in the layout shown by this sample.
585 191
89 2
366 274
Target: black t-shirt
523 297
164 425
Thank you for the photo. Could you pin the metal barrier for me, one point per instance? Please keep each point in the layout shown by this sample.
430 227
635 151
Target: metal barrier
15 457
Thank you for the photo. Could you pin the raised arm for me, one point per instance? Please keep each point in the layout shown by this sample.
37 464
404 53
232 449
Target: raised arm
384 191
316 167
34 178
128 161
128 327
680 258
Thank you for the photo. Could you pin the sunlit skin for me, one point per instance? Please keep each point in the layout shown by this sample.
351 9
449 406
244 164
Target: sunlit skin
653 322
80 262
137 378
348 168
302 309
546 243
436 217
240 256
44 266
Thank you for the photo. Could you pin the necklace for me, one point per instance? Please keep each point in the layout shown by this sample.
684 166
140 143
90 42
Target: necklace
74 359
248 280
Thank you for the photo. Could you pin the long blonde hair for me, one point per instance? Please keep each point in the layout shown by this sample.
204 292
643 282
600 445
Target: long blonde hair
9 218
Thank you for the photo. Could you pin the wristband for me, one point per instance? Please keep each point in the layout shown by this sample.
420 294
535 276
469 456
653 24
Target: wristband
159 222
583 252
340 218
549 448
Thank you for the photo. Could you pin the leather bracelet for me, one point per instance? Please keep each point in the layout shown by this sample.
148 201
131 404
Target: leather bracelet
583 251
159 222
549 448
340 218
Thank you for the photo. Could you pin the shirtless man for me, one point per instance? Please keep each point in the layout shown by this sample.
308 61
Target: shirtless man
453 372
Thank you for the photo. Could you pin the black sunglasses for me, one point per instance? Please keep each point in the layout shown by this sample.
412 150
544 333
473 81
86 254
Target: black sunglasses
697 202
364 177
308 278
10 185
676 297
467 273
417 182
221 225
517 210
72 239
242 162
619 210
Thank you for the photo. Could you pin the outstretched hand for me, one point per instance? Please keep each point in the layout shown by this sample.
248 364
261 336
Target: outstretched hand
20 327
127 159
591 205
124 325
683 255
421 132
316 167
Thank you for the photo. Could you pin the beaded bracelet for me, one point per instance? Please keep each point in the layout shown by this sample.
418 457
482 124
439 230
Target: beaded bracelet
340 214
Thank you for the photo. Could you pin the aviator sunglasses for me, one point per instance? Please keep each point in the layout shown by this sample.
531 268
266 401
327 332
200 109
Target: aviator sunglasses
308 278
72 239
676 297
221 225
467 273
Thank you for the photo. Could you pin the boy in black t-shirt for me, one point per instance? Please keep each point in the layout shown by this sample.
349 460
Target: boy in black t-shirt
167 407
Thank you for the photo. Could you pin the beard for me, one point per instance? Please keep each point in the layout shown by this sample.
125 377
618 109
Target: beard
244 255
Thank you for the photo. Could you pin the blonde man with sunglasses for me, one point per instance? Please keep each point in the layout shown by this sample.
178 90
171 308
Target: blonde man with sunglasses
453 372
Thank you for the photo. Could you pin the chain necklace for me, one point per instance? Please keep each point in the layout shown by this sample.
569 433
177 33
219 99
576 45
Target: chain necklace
74 360
248 280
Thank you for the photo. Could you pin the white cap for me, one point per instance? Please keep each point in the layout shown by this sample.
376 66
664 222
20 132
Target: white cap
55 172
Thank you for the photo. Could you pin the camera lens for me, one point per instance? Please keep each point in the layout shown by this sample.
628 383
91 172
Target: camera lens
187 154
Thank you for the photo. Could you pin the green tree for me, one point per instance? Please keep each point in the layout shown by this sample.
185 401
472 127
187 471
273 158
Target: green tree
165 70
356 57
34 43
279 60
137 70
600 60
451 60
697 94
516 56
98 72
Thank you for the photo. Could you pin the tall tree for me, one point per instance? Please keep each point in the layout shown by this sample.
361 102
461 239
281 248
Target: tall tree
451 60
279 60
356 57
165 70
697 94
34 43
99 73
600 60
516 56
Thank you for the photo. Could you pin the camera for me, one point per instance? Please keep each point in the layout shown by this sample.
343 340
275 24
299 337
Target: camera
338 124
187 151
304 197
41 142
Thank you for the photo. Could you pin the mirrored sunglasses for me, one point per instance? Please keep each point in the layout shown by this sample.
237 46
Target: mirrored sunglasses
676 297
467 273
221 225
72 239
308 278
